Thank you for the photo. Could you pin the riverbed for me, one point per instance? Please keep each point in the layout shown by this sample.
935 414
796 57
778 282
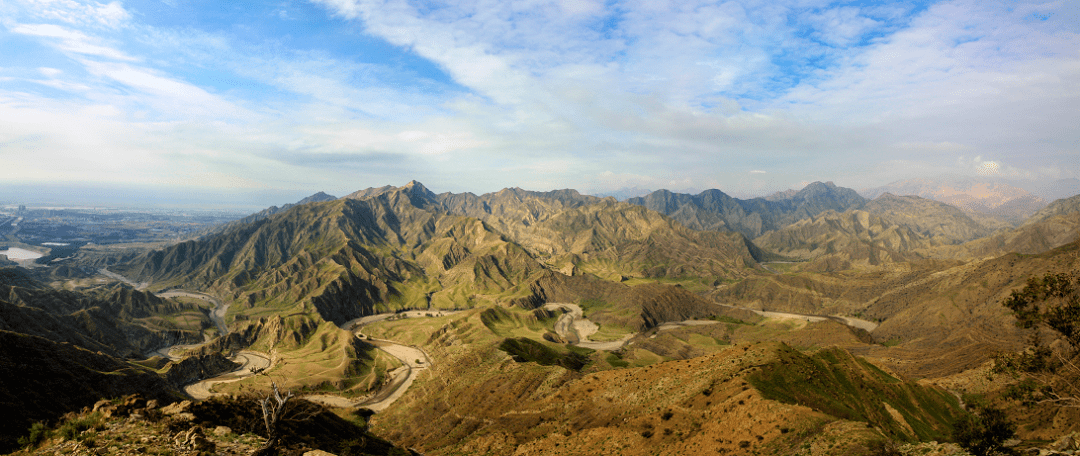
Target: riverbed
15 254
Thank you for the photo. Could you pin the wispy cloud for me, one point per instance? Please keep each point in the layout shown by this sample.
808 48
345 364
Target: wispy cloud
91 14
70 41
597 95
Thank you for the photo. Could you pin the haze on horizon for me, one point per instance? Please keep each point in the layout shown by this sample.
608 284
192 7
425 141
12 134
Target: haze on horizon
288 98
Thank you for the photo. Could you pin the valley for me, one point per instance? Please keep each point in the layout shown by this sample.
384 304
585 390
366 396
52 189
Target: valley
812 322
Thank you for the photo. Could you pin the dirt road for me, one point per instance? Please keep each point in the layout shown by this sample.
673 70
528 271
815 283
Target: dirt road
850 321
413 361
217 314
112 275
250 362
573 327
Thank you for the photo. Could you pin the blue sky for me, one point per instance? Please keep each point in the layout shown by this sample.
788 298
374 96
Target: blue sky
292 97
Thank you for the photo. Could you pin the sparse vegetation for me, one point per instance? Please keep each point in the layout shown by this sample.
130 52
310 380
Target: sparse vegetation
728 319
1046 372
528 350
839 384
35 435
984 432
292 277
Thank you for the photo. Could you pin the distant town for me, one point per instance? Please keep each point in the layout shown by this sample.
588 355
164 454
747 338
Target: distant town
45 234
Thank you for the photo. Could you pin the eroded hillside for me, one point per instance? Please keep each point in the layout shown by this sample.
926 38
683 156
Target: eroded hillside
555 322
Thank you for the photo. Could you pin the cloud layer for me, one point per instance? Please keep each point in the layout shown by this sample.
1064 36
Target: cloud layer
337 95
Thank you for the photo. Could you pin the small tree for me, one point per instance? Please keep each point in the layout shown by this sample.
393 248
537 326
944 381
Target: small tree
1047 305
984 433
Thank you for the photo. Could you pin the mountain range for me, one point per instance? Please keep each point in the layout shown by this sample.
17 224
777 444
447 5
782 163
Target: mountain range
812 311
990 198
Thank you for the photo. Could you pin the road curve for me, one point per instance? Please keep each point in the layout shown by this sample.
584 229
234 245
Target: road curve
217 314
250 363
573 327
413 360
850 321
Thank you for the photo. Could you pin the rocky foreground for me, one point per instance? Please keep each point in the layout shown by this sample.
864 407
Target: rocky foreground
227 426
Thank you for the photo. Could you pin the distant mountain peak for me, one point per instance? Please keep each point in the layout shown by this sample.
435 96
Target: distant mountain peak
317 198
417 189
417 194
414 189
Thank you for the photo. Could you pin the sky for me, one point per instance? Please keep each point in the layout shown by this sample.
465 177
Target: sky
280 99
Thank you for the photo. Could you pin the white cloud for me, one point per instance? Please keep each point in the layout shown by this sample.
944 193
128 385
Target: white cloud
167 95
70 40
679 95
72 12
842 26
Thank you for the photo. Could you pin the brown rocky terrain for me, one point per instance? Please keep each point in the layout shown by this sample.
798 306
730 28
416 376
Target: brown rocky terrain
683 367
399 249
132 425
889 229
1030 238
941 316
732 400
639 307
1064 206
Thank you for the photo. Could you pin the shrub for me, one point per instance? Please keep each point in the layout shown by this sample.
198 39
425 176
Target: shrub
984 433
73 428
882 448
38 432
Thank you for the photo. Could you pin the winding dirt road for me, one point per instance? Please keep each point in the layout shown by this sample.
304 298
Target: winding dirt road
413 360
573 327
250 362
217 314
850 321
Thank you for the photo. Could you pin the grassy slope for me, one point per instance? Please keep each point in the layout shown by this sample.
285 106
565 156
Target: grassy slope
835 382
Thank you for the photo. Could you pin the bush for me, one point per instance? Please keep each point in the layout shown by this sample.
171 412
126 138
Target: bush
73 428
882 448
38 433
984 433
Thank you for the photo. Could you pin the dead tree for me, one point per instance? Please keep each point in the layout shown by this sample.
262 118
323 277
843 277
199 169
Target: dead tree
274 407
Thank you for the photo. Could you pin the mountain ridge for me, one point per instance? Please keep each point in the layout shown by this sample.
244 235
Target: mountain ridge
715 210
983 196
